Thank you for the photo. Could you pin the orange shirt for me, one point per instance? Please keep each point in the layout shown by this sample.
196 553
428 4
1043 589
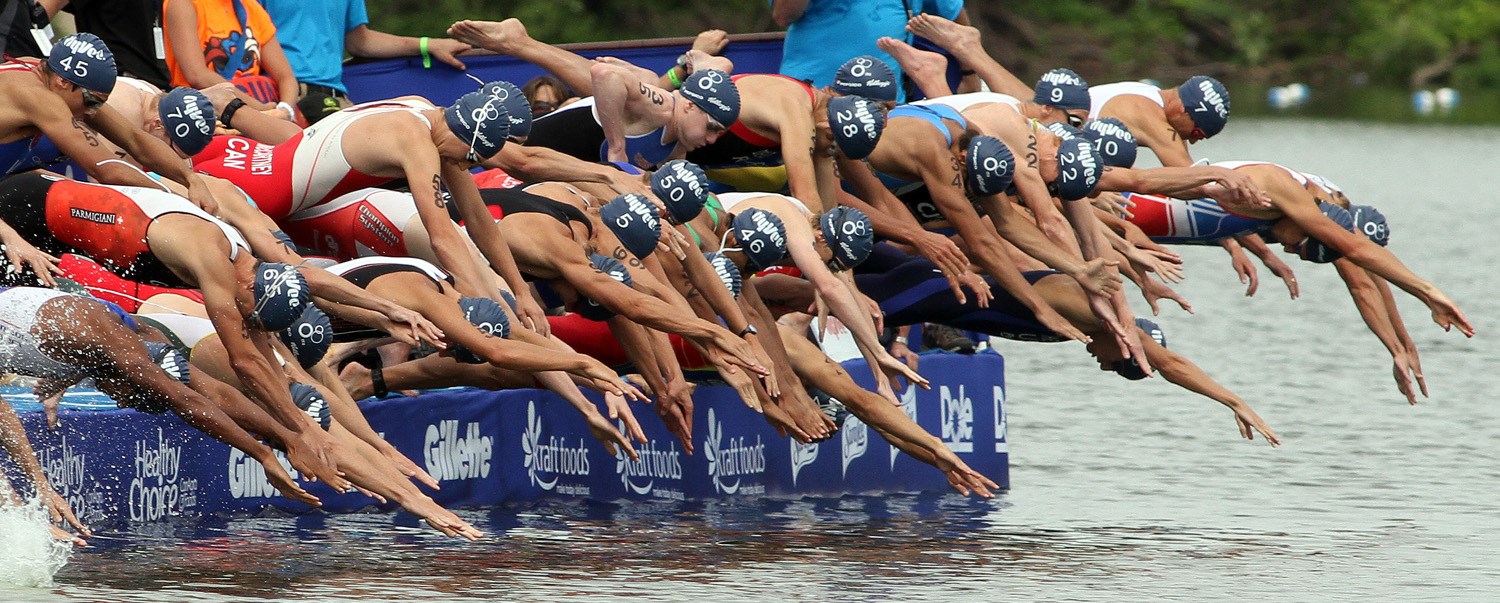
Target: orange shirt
223 41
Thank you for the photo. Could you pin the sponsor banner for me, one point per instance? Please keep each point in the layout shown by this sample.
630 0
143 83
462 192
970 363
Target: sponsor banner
488 448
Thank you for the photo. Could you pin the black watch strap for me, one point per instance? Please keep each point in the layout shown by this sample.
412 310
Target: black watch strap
228 114
748 330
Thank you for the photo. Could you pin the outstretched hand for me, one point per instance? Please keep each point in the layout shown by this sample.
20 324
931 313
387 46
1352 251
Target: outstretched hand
1447 314
1249 423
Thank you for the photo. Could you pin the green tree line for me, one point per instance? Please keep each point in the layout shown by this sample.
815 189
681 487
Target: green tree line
1417 43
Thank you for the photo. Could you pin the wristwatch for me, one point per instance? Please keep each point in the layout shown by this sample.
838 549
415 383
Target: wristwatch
748 330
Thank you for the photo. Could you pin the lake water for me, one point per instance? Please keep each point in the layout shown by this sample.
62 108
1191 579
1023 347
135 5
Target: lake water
1122 491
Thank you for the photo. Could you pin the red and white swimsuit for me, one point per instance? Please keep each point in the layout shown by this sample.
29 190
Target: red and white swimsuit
306 170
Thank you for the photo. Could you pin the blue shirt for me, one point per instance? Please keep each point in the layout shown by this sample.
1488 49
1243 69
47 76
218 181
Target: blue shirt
831 32
312 33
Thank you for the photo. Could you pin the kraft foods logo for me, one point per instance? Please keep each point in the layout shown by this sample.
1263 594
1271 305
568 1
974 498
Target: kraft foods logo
656 463
908 406
155 491
547 460
958 419
247 478
731 460
855 436
802 456
453 455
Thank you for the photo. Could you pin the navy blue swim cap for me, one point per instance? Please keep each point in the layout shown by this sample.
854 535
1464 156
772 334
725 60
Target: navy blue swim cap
633 220
713 92
309 337
849 234
309 400
171 360
1128 367
510 299
281 294
727 271
84 61
480 120
1115 142
683 187
856 123
761 237
188 117
1371 223
866 76
517 108
1207 102
989 167
1316 251
591 309
487 316
1063 89
1078 169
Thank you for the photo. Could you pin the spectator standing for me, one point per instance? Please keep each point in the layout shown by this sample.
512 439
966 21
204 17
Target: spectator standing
131 29
315 34
822 34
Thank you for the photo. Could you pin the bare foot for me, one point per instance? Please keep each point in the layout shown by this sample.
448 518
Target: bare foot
356 379
928 69
501 37
711 41
947 34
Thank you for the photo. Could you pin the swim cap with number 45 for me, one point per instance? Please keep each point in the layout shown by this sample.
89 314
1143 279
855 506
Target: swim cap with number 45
85 61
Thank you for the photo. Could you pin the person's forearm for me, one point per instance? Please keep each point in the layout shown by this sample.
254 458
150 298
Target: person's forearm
1091 232
1389 301
787 12
345 411
335 289
541 164
267 385
368 43
1371 307
1049 219
1030 240
13 438
703 278
760 316
611 94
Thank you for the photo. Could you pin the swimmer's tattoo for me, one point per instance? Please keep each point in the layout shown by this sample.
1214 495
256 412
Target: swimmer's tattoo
88 133
958 172
624 256
437 191
1173 131
655 97
1031 155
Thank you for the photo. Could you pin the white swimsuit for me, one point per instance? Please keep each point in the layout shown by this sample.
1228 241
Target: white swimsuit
319 164
1102 94
962 102
20 352
729 200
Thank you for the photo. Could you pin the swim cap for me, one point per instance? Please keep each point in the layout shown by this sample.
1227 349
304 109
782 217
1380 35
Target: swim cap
727 271
990 166
1078 169
85 61
517 108
188 117
509 299
281 295
480 120
682 186
1207 102
1128 367
1115 142
487 316
591 309
761 237
309 400
309 337
856 123
171 360
849 235
1064 131
1316 251
633 220
866 76
713 92
1371 223
1063 89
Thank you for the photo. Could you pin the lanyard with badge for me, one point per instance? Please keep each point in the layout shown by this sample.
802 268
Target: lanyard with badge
41 28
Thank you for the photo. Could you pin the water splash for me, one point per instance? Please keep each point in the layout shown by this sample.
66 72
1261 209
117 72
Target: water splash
29 557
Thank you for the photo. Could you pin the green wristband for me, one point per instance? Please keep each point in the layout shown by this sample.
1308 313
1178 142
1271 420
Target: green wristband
426 56
672 77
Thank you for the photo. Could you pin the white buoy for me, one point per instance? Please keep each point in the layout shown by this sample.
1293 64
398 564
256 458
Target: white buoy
1298 93
1423 102
1446 99
1278 98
